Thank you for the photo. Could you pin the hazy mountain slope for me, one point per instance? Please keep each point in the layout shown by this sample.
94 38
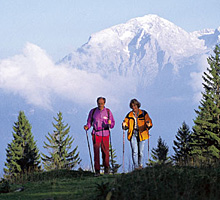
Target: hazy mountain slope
141 47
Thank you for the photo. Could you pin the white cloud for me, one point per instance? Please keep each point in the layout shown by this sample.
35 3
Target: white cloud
196 78
35 77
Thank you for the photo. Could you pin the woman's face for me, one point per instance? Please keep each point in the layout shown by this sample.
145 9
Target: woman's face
134 107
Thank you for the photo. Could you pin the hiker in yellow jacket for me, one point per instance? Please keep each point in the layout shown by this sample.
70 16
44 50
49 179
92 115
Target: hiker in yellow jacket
138 124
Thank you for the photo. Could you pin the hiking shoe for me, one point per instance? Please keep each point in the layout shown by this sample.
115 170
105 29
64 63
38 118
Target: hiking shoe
97 174
106 170
140 167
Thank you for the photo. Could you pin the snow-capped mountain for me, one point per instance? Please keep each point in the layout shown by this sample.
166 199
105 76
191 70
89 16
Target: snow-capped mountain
140 47
210 36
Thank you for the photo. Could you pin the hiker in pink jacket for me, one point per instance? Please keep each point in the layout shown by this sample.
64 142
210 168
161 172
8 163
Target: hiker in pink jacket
101 119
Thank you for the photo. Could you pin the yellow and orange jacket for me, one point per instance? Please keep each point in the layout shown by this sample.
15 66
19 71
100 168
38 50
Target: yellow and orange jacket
142 119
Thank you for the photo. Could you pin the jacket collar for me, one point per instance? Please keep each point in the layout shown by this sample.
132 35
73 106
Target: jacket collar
139 113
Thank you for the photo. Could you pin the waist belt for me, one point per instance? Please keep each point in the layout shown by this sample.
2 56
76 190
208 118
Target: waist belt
101 129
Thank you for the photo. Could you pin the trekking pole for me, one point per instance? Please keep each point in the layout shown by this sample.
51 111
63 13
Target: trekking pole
113 171
89 150
148 149
123 164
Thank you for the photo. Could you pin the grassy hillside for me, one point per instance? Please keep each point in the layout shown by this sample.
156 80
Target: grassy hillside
150 183
57 185
169 183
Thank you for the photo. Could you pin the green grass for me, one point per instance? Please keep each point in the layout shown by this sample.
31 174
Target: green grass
57 185
157 183
171 183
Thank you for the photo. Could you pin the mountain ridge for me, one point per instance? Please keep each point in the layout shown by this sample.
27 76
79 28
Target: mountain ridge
140 47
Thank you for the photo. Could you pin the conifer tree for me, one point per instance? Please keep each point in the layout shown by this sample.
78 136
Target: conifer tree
206 131
181 145
113 161
61 154
22 153
160 154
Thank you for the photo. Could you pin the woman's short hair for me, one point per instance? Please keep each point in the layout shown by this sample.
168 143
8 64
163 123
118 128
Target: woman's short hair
135 102
101 98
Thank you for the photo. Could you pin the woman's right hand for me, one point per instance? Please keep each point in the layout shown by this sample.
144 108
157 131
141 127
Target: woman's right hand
123 125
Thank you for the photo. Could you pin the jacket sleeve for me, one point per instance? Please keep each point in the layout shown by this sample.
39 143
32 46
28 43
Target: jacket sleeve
148 121
89 120
126 120
112 119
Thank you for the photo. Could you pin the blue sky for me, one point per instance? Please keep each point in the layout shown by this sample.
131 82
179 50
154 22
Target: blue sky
59 27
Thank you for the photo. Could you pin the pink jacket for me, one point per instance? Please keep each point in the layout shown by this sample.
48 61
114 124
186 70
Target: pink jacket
99 121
